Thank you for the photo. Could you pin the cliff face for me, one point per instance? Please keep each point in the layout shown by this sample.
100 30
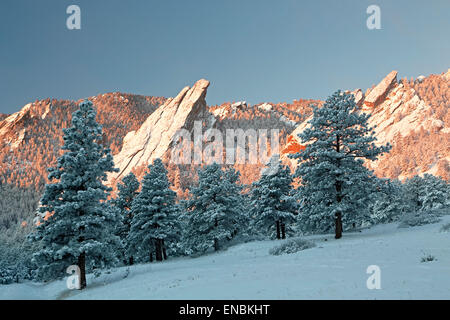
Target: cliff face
156 135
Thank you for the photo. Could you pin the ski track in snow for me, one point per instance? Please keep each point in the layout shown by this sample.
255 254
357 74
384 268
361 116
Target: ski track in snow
334 269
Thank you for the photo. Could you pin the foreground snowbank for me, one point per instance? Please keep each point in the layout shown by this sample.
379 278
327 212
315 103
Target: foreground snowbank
334 269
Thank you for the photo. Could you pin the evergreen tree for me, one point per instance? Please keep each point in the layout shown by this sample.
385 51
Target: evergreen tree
412 191
128 190
154 216
214 210
389 202
333 177
436 193
427 192
272 201
75 222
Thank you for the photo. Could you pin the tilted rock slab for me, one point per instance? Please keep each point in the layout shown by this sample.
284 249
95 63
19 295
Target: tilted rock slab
378 94
156 135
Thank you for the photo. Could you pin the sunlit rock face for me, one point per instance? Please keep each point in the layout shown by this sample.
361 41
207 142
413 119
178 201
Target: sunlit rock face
378 94
396 112
156 135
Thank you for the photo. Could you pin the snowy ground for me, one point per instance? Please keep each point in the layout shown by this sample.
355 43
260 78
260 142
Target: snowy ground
334 269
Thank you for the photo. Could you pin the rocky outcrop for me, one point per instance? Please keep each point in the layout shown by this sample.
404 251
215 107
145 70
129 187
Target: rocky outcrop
265 107
12 128
156 135
239 105
359 97
447 74
395 111
404 113
378 94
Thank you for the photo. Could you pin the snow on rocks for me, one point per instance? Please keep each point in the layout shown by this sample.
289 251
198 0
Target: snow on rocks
221 113
420 78
447 74
265 107
239 105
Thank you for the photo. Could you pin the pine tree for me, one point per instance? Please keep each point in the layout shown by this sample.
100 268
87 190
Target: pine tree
273 202
412 191
333 177
436 193
154 216
75 222
427 192
389 203
214 210
128 190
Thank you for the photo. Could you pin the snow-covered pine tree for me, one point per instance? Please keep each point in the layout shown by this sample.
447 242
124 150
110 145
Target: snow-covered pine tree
273 204
388 203
128 190
214 210
74 221
436 193
427 192
154 216
412 191
334 180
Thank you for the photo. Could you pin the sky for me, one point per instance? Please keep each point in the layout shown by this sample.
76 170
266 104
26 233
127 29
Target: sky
253 50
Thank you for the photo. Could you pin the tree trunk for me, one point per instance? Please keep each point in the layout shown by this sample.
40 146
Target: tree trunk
216 241
278 230
151 256
82 265
158 251
283 231
131 261
164 250
338 225
216 245
338 186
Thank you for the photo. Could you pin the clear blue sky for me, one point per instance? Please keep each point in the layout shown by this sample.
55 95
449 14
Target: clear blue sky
250 50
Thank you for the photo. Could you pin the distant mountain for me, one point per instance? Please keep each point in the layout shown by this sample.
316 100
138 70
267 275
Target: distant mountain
410 114
30 139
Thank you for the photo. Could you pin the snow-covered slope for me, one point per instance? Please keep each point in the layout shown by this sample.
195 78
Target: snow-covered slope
334 269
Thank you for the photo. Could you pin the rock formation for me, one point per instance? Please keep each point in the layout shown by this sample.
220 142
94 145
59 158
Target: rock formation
12 128
156 135
395 111
378 94
265 106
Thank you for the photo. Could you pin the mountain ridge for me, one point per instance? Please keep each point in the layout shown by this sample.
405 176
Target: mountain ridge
30 139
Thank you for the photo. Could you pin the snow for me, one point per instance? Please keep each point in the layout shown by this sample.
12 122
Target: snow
334 269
